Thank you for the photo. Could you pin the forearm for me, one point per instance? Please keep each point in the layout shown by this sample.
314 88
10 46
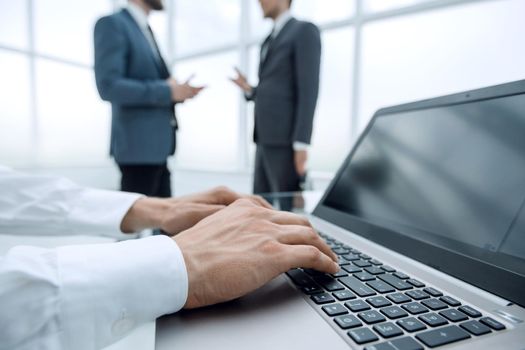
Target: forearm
131 92
89 296
145 213
45 205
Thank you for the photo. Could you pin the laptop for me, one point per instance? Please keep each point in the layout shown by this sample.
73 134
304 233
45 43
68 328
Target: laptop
427 216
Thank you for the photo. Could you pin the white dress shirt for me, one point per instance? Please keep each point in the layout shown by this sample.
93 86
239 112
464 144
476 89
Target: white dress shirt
79 297
141 18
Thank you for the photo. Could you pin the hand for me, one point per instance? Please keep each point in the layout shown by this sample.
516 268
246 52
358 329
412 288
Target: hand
174 215
241 81
183 92
300 158
242 247
189 210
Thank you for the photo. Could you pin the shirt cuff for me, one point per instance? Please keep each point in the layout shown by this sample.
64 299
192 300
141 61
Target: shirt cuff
108 289
300 146
100 212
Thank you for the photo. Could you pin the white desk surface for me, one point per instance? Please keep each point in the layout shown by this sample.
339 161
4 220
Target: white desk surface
142 338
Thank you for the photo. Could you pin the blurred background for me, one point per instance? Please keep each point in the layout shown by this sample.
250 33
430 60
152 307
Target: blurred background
375 53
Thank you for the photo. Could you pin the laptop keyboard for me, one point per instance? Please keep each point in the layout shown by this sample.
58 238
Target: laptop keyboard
380 308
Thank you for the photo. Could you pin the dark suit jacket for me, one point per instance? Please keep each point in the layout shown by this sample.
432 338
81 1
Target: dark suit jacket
286 96
130 77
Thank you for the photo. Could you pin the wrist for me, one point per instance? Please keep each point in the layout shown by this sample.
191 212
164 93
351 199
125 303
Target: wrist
145 213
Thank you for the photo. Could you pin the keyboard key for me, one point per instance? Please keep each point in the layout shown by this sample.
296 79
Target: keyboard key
357 287
450 301
340 251
374 270
414 308
300 278
475 327
376 262
351 268
362 335
366 257
411 324
395 282
335 309
312 290
357 305
442 336
344 295
388 268
347 321
434 304
351 257
387 330
433 291
378 301
340 273
405 343
417 294
380 286
393 312
416 283
470 311
342 262
398 298
453 315
324 298
433 320
401 275
328 283
492 323
364 276
371 316
362 263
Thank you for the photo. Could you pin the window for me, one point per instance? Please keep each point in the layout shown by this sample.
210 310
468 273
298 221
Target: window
205 24
13 24
74 123
208 135
64 28
401 64
332 134
378 6
15 114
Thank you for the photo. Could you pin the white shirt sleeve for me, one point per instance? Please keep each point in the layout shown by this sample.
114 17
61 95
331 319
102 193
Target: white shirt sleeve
89 296
44 205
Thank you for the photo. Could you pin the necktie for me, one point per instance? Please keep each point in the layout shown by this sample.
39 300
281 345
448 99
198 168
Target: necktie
266 46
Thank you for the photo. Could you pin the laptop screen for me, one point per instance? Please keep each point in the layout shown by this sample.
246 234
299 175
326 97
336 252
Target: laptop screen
451 176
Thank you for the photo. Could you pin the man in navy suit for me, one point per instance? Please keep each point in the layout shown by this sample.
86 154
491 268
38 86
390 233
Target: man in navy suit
131 74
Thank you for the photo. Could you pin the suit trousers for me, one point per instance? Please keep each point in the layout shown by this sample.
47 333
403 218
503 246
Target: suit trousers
275 171
150 180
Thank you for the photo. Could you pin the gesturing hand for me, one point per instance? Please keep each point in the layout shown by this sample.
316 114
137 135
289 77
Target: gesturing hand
183 92
242 247
241 81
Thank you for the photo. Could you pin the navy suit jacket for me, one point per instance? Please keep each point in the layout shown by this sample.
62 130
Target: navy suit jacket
129 75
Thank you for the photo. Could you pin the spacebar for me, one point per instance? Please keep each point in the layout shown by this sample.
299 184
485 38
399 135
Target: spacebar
356 286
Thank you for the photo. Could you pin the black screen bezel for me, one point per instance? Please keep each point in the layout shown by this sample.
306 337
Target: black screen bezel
507 284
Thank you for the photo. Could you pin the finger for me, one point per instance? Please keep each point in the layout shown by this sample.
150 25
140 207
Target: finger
307 256
238 71
189 79
259 200
286 218
300 235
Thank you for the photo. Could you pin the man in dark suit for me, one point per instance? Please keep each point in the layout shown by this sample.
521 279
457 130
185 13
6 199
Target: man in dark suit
132 75
285 99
